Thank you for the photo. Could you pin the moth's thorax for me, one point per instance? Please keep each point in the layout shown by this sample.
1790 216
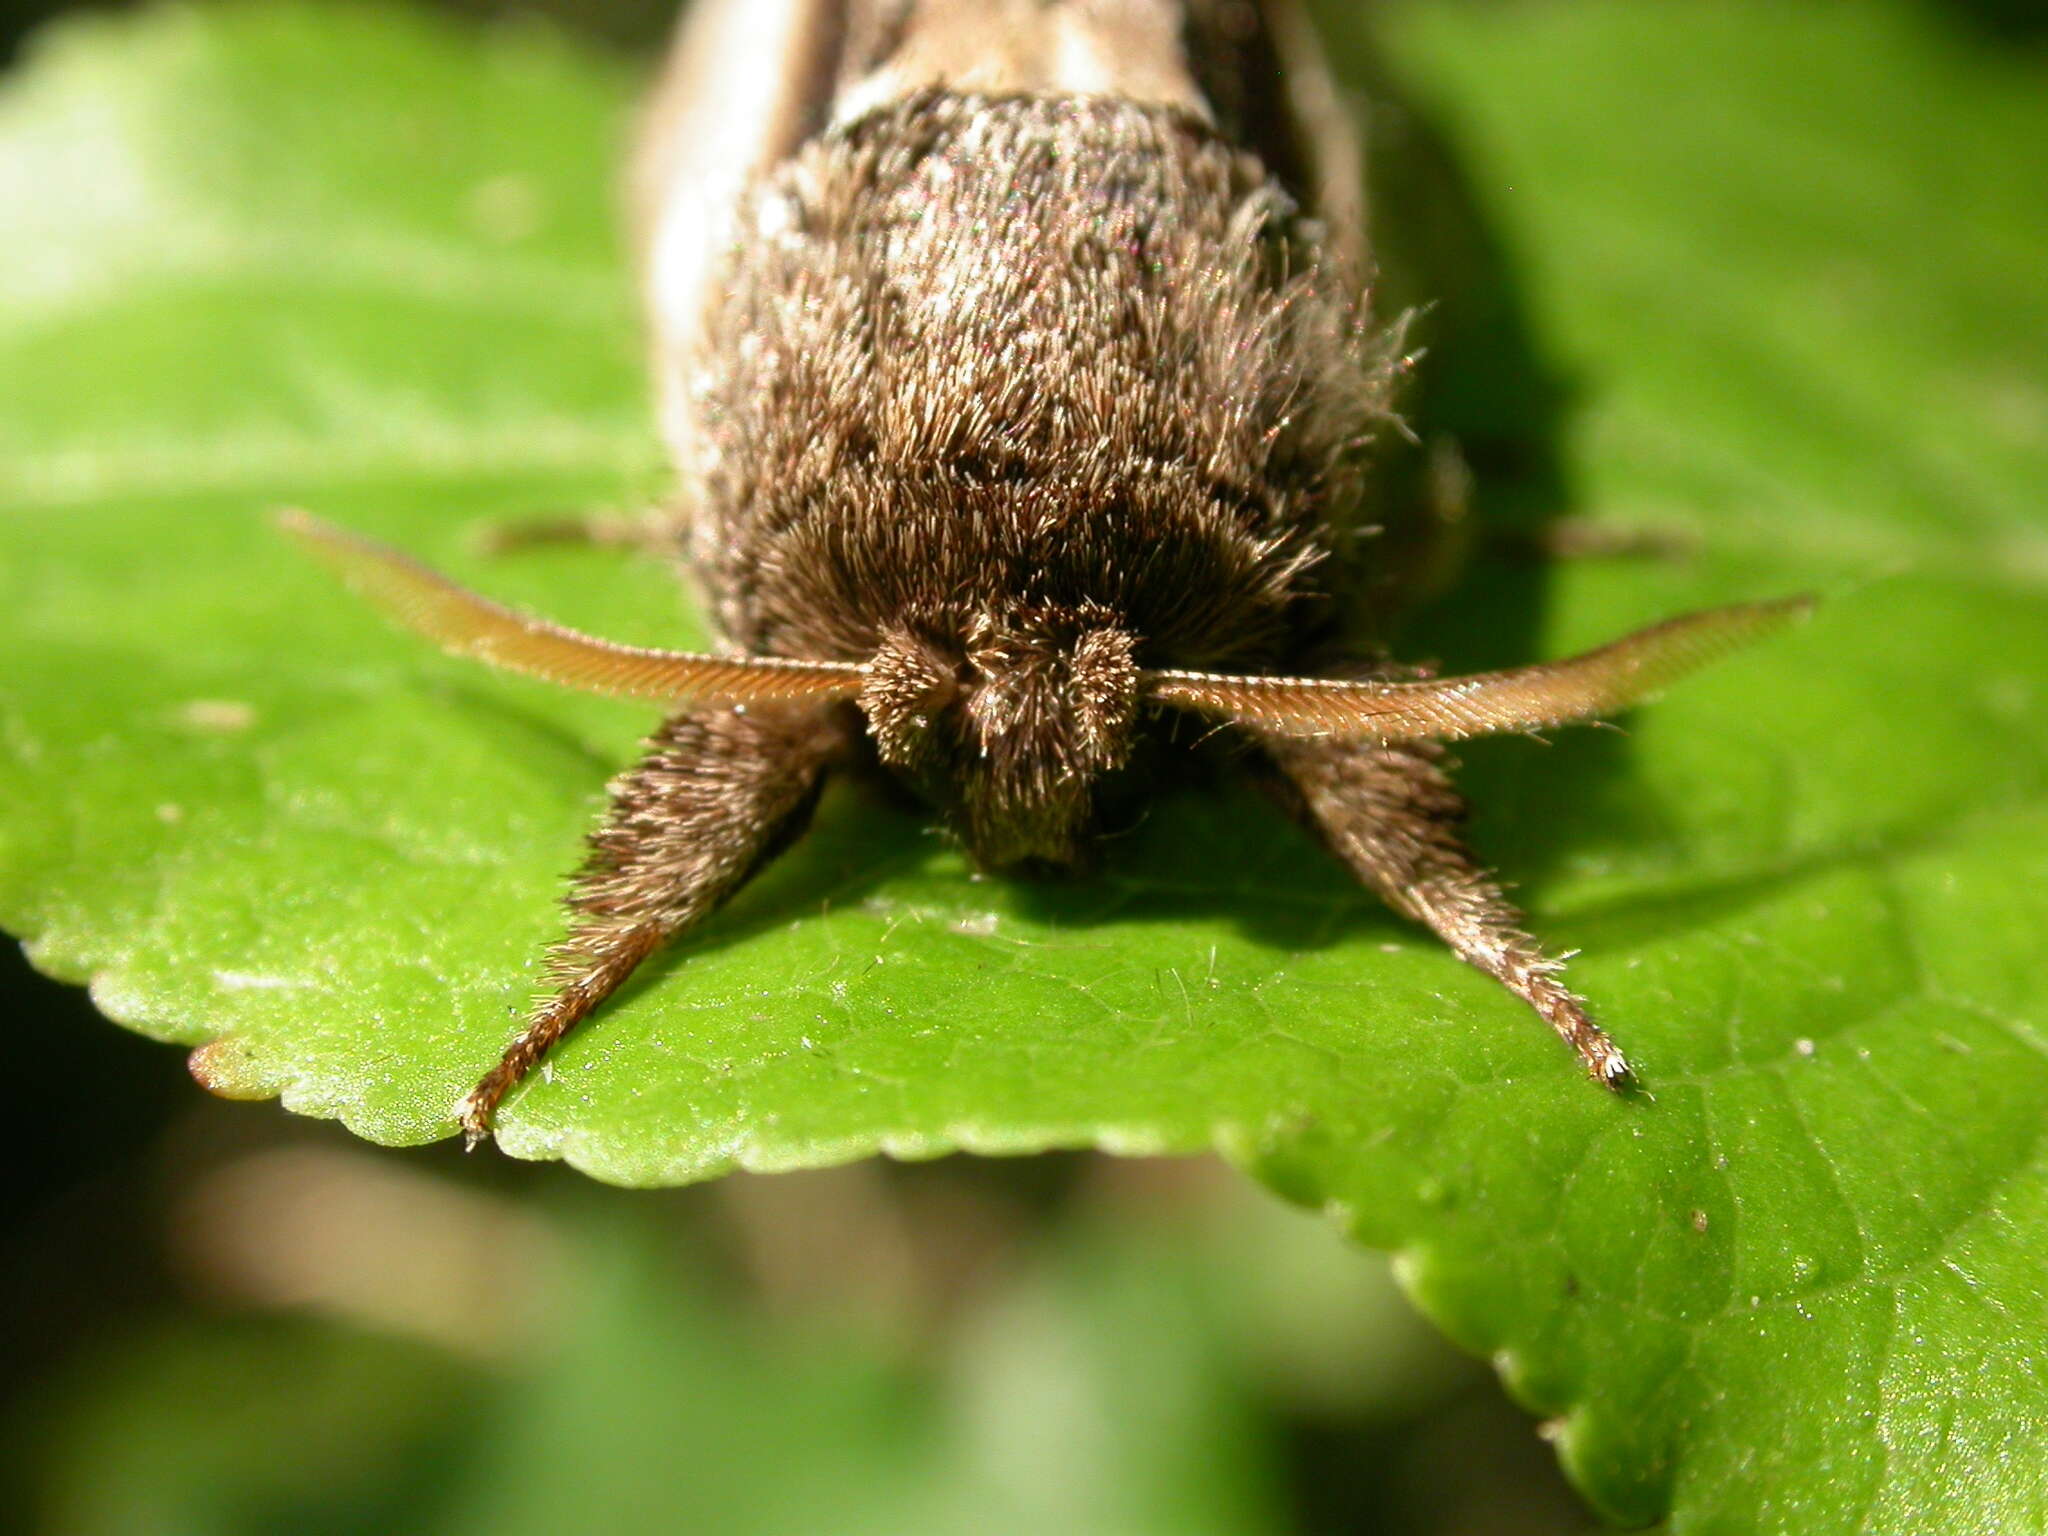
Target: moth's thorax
1007 720
993 352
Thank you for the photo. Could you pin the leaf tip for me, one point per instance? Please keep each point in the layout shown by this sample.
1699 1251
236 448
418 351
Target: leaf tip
222 1068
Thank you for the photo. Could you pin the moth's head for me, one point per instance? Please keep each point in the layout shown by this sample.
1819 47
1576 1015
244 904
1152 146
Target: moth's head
1009 722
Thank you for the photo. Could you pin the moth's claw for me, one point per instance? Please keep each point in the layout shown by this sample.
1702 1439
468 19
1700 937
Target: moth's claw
474 1116
1612 1071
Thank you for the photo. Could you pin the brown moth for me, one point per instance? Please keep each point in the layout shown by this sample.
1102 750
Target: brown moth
1018 364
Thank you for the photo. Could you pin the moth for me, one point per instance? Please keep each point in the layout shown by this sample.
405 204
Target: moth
1019 363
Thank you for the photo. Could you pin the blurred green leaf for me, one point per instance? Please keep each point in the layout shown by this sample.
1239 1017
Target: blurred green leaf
221 1428
1791 257
1090 1396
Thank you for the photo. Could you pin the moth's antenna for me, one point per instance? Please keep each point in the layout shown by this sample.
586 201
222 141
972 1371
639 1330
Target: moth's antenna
469 625
1586 687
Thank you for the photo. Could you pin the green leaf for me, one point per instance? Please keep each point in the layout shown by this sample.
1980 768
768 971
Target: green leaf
1790 259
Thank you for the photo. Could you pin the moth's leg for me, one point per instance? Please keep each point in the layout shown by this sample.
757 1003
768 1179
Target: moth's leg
647 531
1580 538
1429 533
1393 815
719 793
1425 555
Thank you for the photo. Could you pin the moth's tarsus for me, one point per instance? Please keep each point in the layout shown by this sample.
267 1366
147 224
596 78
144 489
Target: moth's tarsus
1614 1071
1011 415
716 794
1392 814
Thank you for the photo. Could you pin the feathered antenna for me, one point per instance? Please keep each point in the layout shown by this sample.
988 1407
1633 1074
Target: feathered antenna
468 625
1586 687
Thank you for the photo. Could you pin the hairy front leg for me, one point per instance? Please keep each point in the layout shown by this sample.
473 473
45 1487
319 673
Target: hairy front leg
1393 815
719 793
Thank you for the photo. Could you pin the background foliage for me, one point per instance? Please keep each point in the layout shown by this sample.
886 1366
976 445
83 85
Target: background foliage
1785 262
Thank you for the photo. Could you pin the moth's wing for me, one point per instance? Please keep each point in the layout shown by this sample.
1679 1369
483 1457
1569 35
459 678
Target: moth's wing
745 83
1270 86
